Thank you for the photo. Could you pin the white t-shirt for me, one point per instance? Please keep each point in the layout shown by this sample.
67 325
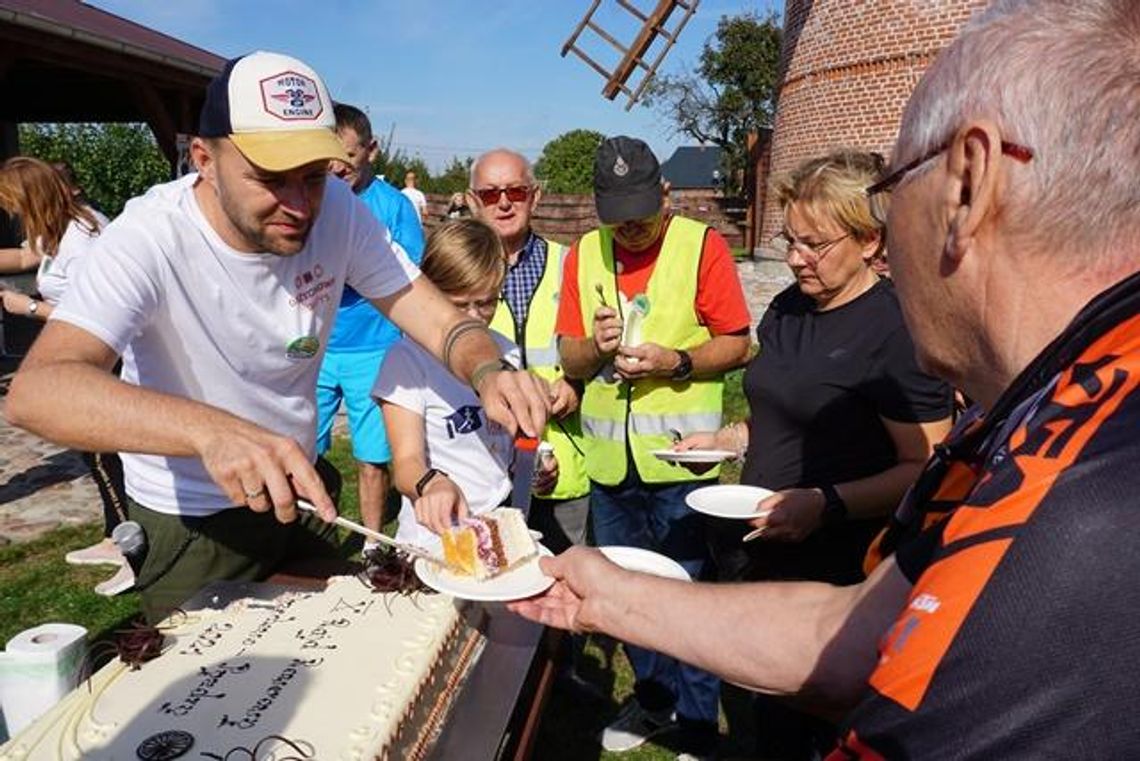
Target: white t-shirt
56 272
475 453
418 199
242 332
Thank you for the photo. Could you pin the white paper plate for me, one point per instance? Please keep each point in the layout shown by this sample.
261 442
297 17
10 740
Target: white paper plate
646 561
518 583
729 500
694 455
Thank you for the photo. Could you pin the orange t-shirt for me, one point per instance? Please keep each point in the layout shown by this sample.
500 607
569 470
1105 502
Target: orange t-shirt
721 306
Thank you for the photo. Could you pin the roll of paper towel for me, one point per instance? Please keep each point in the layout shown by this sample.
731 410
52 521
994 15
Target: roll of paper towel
37 668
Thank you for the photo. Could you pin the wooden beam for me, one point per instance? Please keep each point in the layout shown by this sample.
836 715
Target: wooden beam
159 117
569 44
645 38
6 60
9 140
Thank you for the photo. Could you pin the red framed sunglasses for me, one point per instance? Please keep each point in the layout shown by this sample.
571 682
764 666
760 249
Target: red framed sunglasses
515 194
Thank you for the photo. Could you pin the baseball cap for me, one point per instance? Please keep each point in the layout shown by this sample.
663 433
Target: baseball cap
627 180
275 109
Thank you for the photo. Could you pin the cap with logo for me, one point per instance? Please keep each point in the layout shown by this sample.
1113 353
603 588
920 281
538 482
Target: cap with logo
275 110
627 180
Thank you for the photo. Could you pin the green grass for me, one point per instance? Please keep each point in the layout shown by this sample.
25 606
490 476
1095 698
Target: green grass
37 586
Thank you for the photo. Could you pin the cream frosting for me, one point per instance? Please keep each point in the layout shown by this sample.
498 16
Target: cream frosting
337 672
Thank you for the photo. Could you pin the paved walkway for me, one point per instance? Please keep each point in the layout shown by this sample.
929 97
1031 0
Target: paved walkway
43 486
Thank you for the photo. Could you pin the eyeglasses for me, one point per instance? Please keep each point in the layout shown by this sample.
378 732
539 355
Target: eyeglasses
812 253
878 195
515 194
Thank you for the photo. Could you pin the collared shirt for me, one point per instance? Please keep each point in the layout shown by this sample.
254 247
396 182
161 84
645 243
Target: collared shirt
523 278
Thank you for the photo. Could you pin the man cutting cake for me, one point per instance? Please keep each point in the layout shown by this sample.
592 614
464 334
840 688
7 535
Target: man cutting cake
219 290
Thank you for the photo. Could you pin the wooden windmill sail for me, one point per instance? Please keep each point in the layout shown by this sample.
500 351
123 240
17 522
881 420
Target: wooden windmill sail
655 25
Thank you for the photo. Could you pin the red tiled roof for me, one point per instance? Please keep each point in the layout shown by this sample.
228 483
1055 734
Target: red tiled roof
74 19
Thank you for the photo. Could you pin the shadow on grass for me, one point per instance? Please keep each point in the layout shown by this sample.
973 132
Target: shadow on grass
56 469
578 710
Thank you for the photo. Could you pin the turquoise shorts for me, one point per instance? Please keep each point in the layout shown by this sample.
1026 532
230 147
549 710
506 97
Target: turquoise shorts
349 376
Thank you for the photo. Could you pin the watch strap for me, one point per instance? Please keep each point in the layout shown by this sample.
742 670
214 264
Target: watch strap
426 478
684 369
834 508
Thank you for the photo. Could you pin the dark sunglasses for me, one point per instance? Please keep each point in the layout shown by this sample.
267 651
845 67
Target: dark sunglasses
515 194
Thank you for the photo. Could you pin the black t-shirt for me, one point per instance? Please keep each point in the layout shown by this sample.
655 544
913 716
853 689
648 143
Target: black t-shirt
820 384
818 390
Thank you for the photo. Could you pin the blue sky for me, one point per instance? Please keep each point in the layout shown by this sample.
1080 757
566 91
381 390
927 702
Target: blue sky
455 77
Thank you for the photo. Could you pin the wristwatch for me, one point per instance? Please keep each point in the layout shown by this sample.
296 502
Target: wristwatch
834 508
684 369
428 475
33 307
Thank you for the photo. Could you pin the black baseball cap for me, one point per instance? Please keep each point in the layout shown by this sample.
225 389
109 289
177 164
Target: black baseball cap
627 180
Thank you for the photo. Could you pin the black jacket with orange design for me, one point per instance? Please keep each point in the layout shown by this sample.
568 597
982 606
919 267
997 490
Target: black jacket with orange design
1020 639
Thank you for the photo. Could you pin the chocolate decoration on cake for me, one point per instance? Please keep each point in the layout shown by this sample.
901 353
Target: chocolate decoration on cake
139 644
254 753
390 571
165 746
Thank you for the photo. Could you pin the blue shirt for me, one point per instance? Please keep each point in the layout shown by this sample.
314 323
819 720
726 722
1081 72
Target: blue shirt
523 279
359 326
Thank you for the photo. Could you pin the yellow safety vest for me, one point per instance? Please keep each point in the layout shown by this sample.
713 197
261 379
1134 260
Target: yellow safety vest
539 348
645 412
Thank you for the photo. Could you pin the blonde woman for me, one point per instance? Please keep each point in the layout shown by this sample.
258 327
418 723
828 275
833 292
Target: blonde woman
842 420
60 232
448 459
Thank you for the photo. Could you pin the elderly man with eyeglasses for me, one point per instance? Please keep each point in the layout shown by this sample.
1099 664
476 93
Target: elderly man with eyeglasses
504 194
998 628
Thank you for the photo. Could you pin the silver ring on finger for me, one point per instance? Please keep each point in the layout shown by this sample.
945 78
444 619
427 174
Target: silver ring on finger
251 495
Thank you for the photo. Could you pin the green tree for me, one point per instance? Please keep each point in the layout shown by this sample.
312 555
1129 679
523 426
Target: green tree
395 164
456 177
732 92
567 162
112 162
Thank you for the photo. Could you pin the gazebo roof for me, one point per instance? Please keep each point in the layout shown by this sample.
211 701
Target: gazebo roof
65 61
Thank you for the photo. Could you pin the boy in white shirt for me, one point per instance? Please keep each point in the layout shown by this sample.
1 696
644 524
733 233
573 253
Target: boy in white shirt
448 459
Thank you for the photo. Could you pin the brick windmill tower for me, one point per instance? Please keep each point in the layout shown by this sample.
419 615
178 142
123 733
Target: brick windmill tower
849 67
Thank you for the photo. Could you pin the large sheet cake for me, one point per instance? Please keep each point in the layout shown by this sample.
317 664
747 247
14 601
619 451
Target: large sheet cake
344 673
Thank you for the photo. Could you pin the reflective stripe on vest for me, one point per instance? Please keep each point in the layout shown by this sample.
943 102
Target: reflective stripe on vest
645 413
540 355
650 425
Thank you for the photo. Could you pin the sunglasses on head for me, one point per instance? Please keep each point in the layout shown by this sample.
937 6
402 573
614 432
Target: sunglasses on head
515 194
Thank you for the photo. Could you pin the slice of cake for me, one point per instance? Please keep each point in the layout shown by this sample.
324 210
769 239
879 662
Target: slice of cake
489 544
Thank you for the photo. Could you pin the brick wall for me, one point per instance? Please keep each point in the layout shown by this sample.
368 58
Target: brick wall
566 218
849 67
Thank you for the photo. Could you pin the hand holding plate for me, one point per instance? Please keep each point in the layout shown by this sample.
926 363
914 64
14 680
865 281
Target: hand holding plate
790 514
